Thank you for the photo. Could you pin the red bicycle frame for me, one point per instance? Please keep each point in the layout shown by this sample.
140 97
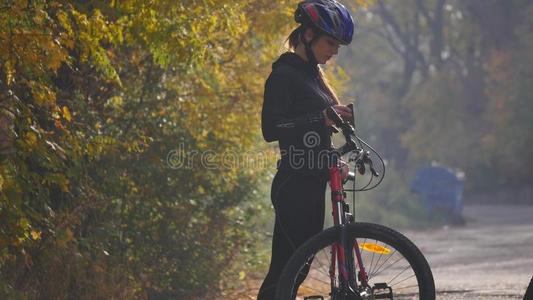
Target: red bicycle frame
341 218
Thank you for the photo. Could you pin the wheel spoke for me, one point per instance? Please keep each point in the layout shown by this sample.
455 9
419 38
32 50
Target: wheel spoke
407 281
372 261
406 287
407 278
389 266
378 270
318 279
323 269
379 258
398 275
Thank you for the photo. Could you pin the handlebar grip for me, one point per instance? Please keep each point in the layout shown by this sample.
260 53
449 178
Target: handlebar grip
351 176
334 116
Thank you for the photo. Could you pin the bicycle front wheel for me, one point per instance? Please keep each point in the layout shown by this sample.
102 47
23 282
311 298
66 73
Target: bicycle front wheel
393 266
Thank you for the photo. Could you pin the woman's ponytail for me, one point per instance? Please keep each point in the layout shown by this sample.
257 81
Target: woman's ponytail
327 87
294 37
293 40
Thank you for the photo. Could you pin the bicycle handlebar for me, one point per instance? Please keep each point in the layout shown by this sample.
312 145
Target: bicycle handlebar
334 116
362 157
347 130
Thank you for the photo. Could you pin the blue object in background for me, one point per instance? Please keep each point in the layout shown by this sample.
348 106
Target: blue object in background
440 187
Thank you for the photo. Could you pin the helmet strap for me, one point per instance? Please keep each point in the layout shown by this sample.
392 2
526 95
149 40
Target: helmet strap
308 51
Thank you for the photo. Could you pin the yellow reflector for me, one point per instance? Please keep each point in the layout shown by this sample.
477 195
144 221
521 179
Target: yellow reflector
370 247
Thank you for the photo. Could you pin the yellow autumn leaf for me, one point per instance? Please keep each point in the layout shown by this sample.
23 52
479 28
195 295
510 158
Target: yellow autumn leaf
36 235
30 139
42 94
17 241
64 21
69 236
242 275
65 185
58 179
20 5
58 125
363 3
24 223
201 190
10 72
115 102
66 114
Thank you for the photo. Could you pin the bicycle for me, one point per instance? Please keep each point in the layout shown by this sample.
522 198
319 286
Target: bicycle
352 260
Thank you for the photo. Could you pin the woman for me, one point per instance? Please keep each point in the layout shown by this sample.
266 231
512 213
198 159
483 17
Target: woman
295 100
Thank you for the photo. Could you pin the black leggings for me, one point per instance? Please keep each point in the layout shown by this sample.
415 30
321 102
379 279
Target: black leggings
299 201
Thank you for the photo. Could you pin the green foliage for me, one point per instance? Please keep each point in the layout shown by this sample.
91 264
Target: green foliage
94 96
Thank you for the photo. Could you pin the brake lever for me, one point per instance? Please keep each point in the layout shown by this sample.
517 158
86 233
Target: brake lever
356 154
367 160
360 167
374 172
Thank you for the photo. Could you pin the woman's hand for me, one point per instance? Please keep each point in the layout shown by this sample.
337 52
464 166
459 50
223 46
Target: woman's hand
344 111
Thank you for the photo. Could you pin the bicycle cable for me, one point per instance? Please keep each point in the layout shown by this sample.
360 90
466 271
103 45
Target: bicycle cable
380 159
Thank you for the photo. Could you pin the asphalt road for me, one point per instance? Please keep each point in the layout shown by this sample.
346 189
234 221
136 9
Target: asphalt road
489 258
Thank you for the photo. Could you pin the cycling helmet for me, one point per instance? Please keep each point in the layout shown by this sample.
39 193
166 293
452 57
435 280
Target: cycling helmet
329 16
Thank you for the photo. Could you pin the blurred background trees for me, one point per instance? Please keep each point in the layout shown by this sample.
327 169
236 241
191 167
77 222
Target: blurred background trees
447 81
95 95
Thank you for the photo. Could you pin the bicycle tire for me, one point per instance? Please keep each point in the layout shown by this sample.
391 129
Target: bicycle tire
384 236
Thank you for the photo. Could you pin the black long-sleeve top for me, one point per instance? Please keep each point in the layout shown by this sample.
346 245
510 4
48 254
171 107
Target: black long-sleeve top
292 115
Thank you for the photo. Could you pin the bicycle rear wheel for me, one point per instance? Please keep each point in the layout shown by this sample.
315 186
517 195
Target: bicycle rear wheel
396 269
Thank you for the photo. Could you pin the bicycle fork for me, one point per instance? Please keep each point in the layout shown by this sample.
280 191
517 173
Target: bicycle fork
342 254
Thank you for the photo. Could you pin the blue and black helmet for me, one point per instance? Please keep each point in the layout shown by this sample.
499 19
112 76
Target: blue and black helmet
329 16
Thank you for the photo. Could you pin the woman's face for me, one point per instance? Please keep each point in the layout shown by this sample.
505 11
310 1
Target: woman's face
324 48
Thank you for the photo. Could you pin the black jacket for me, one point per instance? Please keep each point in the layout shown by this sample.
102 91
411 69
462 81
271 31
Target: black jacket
292 115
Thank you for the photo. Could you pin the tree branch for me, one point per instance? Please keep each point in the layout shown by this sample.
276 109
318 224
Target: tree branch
388 19
422 8
386 36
